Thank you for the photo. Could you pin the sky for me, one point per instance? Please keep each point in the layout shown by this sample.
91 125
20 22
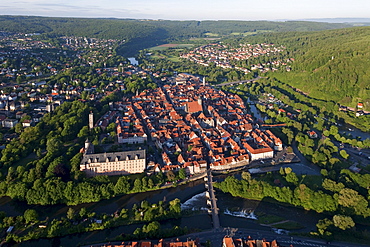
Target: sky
190 9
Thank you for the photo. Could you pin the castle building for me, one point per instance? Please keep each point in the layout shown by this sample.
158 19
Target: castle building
116 163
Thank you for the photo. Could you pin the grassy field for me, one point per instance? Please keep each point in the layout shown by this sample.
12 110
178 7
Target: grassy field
171 58
166 46
290 225
252 33
269 218
211 34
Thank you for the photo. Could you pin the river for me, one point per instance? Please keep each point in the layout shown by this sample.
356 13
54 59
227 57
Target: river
183 192
200 219
256 113
192 197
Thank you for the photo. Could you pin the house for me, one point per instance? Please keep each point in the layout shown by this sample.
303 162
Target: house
249 242
194 106
27 123
265 152
161 243
9 123
312 134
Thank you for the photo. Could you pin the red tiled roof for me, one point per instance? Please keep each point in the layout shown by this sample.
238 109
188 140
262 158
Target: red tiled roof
193 107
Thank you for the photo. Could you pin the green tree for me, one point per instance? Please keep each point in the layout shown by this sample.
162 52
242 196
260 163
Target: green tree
331 185
175 207
122 186
333 130
182 173
344 154
322 226
170 175
18 128
292 178
70 213
30 215
53 146
352 199
83 212
84 132
150 183
343 222
246 176
137 185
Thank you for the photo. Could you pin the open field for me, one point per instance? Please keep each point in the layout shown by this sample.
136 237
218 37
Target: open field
252 33
211 34
166 46
171 58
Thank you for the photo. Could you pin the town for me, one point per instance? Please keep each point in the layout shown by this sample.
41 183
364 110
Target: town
195 126
226 56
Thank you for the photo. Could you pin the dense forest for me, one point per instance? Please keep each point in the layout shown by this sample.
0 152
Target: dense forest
140 34
329 65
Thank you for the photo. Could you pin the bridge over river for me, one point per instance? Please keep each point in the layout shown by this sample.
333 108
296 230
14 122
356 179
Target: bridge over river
212 201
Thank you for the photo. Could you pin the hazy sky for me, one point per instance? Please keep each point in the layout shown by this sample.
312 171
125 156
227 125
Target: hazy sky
190 9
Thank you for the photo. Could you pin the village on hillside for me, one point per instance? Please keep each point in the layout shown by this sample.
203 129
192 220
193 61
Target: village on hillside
227 57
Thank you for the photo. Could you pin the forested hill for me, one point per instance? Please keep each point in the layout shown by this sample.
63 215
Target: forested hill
141 34
330 65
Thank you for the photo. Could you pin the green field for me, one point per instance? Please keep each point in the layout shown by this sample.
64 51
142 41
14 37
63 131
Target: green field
166 46
291 225
269 219
211 34
251 33
171 58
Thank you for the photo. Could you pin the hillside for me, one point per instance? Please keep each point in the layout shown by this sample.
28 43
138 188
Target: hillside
140 34
330 65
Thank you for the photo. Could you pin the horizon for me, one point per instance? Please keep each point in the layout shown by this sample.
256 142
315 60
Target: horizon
325 20
238 10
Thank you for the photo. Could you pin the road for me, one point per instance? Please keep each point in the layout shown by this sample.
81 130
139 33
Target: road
303 159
